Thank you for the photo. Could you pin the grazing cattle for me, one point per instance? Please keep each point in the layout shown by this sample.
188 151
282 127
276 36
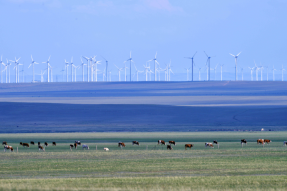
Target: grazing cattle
260 141
284 143
160 142
46 144
24 144
8 147
76 145
71 146
168 147
171 142
188 146
4 143
209 145
85 147
54 144
41 148
267 141
136 143
32 143
106 149
243 141
121 144
78 142
215 142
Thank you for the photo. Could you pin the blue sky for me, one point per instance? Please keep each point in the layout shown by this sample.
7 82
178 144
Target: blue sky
173 29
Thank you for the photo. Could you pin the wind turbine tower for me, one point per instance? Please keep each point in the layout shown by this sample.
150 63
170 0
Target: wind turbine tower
187 70
1 63
199 74
48 68
267 72
208 66
67 67
242 74
131 60
107 64
191 64
155 69
235 64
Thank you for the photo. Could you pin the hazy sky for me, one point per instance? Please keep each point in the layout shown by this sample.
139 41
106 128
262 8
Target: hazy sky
172 28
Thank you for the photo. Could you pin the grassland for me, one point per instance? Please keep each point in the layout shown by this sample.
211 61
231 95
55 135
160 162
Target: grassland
148 166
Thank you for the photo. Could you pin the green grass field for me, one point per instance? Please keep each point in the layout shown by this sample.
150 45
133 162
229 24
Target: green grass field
148 166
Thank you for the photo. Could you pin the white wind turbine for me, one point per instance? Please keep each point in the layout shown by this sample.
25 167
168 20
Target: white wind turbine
282 72
199 74
169 70
137 71
87 67
242 74
256 68
76 67
187 70
125 72
42 75
192 64
251 71
235 64
215 72
16 67
96 70
82 69
146 71
72 66
208 66
107 64
131 60
51 77
261 69
221 66
48 69
119 70
110 75
33 62
155 69
273 73
67 68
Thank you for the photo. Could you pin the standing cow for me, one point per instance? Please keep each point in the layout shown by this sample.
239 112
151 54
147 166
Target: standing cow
24 144
168 147
41 148
188 146
32 143
267 141
260 141
243 141
121 144
160 142
171 142
85 147
136 143
215 142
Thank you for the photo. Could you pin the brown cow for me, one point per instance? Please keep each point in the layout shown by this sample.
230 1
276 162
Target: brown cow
41 148
24 144
168 147
54 144
4 143
136 143
267 141
260 141
243 141
75 145
121 144
209 145
215 142
188 146
160 142
171 142
46 144
32 143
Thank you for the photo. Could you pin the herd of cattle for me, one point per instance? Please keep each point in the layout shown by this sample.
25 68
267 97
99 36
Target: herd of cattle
121 144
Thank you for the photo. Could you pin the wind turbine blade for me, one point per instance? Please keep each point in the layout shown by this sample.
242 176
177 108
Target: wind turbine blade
155 55
238 54
130 54
188 57
231 55
205 54
29 65
194 54
31 57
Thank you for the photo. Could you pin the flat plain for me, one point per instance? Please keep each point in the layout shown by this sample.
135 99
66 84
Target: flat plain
102 114
148 166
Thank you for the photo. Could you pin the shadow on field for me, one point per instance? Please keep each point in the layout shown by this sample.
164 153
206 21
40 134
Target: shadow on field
42 117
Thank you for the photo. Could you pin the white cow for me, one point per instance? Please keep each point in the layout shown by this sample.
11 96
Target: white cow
106 149
86 147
